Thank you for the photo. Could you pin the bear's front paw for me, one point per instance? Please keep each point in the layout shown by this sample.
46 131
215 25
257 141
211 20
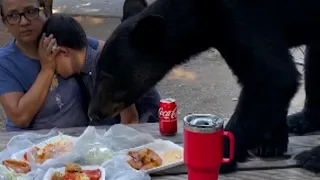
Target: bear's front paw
310 159
228 167
272 146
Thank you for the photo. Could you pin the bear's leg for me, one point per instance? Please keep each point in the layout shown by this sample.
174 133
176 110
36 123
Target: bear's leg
249 134
308 120
269 83
311 115
274 144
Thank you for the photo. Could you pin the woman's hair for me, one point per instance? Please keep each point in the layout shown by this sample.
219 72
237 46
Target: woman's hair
66 30
46 4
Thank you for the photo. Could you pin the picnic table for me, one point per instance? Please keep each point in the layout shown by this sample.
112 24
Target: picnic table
255 169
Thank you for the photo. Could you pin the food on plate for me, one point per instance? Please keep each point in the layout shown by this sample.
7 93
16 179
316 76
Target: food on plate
144 159
69 176
73 167
74 172
17 166
49 151
57 176
172 156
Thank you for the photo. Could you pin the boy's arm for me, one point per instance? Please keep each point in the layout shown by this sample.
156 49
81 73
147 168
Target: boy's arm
100 45
129 115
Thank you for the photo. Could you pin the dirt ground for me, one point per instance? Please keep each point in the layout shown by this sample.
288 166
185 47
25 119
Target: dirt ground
204 85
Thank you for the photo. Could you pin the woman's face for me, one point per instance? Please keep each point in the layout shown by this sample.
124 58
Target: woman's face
25 28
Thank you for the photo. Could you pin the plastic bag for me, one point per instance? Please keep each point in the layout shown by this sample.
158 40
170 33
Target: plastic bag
6 174
53 152
95 147
5 154
121 137
27 140
117 168
91 148
18 144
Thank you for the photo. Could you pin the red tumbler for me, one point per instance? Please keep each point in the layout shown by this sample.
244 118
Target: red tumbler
203 146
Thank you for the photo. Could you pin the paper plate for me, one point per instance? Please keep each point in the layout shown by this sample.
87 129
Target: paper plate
171 154
20 155
50 171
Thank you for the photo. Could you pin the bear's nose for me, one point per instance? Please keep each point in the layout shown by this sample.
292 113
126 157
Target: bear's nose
93 115
94 118
93 112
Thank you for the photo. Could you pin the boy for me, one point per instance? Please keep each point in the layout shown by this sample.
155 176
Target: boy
76 58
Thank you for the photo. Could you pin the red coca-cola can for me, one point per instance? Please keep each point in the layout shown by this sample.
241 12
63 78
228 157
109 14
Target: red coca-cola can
168 123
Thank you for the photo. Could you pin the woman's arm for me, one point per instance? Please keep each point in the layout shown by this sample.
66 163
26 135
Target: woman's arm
22 108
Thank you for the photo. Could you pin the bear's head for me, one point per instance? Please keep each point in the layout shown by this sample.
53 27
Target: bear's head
142 50
121 78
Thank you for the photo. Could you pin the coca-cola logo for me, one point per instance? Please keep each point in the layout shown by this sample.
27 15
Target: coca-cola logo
168 114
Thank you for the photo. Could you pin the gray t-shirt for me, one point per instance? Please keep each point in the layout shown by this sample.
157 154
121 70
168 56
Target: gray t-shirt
63 106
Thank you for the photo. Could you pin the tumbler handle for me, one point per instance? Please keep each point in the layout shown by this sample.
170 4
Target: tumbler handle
231 146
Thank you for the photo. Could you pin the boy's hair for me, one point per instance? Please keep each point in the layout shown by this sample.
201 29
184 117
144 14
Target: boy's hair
66 30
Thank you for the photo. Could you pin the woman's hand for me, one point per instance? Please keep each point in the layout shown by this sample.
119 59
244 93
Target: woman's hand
48 51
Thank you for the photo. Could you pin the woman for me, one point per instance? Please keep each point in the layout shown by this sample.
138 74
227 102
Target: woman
30 93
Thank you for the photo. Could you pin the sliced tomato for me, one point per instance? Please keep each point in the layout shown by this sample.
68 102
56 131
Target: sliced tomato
25 156
69 176
92 174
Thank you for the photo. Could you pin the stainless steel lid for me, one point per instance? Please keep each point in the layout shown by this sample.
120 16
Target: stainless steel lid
203 123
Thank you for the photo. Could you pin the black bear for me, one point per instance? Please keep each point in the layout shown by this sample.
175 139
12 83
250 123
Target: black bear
253 37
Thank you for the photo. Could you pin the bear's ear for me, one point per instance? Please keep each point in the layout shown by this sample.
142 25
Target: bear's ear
133 7
149 33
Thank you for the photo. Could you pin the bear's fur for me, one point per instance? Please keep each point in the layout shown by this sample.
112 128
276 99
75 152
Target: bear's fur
253 37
